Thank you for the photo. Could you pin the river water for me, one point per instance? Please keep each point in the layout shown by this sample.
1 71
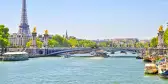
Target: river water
54 70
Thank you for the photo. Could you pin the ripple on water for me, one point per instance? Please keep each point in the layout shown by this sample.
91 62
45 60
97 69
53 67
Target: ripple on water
76 71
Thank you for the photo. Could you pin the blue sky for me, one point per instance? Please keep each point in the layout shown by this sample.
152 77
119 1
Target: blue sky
89 19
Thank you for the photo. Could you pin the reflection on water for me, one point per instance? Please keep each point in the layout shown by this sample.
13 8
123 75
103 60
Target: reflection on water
150 75
96 58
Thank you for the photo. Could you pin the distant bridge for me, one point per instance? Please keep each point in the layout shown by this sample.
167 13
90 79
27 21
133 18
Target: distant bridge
69 50
57 51
137 50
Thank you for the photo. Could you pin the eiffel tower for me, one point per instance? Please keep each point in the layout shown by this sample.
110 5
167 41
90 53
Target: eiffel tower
24 27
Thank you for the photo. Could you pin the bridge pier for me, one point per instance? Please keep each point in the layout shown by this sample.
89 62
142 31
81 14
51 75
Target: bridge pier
46 50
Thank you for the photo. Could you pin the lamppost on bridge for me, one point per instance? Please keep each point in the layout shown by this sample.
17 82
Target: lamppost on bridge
160 47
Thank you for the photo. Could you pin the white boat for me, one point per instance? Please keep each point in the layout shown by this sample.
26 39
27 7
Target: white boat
15 56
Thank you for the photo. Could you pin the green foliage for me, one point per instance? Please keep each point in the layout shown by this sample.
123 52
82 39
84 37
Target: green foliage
146 45
114 45
141 45
73 42
108 44
154 42
29 43
91 44
166 37
86 43
52 43
39 43
123 45
59 41
4 35
62 42
138 45
103 44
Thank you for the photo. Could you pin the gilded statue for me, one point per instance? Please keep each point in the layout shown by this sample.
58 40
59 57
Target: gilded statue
160 28
34 30
46 31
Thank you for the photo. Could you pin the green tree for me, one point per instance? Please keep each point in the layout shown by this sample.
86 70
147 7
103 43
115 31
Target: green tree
166 37
138 45
62 42
92 44
154 42
114 45
39 43
52 43
59 39
123 45
73 42
103 44
146 45
81 43
66 43
87 43
108 43
4 38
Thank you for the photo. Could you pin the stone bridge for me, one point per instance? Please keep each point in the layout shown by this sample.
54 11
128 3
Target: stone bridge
56 51
136 50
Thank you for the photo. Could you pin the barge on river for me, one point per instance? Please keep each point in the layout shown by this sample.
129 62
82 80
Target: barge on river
15 56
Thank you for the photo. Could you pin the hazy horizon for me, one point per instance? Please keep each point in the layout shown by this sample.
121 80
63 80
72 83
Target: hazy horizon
89 19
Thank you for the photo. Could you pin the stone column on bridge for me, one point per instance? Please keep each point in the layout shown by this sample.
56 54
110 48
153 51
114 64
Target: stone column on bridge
160 45
46 39
45 43
34 44
160 38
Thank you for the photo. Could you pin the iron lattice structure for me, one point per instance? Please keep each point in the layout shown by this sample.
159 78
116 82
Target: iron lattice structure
24 27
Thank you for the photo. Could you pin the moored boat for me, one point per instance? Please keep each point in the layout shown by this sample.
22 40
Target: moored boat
147 59
15 56
112 52
123 52
164 74
163 68
139 57
151 69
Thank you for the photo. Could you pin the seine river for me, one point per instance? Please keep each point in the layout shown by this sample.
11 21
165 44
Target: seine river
54 70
